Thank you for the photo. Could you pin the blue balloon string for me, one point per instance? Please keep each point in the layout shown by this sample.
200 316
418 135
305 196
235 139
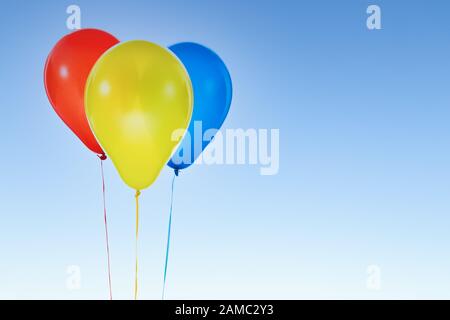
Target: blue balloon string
168 236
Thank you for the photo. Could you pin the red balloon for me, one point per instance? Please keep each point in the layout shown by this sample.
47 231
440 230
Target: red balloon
66 71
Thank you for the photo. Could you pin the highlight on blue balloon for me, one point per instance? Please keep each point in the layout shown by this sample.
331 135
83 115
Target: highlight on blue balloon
212 88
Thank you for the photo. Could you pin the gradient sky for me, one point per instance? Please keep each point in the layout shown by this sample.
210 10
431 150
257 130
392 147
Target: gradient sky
364 157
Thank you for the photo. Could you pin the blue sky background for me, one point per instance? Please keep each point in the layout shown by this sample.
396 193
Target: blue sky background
364 157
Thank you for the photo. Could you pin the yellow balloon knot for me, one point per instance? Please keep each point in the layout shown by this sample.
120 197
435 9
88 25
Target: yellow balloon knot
138 193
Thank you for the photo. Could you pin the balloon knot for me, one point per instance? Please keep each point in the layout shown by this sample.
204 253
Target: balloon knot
176 172
102 156
138 193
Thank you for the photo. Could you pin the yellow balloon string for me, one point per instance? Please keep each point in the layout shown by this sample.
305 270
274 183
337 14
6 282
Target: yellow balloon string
138 193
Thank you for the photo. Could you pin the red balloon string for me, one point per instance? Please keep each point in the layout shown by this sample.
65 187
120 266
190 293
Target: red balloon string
106 229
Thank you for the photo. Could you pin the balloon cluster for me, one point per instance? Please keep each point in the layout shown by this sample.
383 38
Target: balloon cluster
126 100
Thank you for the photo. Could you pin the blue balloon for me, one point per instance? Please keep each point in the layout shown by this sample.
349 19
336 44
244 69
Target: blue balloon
211 83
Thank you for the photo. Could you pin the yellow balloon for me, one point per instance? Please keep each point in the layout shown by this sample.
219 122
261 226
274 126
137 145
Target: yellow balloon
136 96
